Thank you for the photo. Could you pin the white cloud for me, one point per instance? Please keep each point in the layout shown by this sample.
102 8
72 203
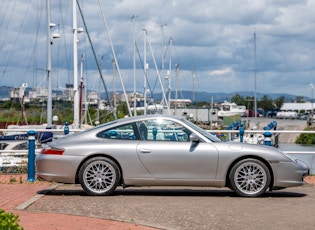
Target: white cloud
221 71
216 36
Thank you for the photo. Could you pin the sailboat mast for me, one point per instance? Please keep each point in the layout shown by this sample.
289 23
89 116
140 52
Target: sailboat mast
159 76
76 96
176 92
114 83
255 96
134 66
145 66
170 71
82 86
49 83
193 78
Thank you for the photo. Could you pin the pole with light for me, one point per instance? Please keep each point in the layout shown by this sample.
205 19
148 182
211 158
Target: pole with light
49 80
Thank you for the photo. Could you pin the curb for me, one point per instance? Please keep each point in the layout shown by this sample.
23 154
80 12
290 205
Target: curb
27 203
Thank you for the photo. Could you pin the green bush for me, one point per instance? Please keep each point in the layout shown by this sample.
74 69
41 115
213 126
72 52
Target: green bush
9 221
306 138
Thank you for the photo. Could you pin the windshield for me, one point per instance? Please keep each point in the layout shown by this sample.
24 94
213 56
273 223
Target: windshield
208 135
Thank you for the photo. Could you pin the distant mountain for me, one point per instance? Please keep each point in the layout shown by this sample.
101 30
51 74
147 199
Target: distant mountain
199 96
221 97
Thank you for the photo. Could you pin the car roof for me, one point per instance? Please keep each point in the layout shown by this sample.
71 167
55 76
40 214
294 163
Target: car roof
142 117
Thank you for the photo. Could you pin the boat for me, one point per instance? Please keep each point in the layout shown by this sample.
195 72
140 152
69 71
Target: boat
8 143
230 109
286 115
18 141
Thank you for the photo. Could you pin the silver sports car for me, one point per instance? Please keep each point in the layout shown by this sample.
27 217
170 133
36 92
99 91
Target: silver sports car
164 151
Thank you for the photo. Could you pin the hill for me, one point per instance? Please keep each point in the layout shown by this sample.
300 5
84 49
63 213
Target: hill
199 96
221 97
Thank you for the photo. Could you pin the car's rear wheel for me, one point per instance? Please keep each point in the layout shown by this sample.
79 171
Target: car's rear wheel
250 178
99 176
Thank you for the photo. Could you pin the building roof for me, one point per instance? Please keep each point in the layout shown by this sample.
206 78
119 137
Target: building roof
297 106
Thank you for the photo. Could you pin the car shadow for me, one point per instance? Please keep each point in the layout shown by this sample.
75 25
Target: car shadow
167 192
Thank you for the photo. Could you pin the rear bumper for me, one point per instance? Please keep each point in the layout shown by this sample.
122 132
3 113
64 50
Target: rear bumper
56 168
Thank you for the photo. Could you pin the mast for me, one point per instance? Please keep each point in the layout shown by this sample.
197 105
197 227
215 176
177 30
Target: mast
115 59
49 86
145 67
169 73
159 76
255 96
76 96
193 78
98 95
86 105
134 67
114 81
162 61
176 92
82 93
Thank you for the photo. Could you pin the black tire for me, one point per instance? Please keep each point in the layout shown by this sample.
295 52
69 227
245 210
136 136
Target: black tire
249 178
99 176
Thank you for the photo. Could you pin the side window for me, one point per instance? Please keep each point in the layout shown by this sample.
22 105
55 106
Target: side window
162 130
125 132
21 146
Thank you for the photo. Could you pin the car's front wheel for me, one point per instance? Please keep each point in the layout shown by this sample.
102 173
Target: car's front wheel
99 176
250 178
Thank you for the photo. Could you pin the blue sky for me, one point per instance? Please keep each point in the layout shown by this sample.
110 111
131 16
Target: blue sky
212 43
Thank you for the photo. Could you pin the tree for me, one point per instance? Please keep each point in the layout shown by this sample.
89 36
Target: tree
279 102
249 102
299 99
238 99
266 103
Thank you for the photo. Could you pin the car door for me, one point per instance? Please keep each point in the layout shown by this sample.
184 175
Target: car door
172 156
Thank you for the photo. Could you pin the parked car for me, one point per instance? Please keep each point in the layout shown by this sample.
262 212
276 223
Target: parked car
272 113
303 116
158 150
251 113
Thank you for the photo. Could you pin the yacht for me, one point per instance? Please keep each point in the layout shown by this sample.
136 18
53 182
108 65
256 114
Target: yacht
230 109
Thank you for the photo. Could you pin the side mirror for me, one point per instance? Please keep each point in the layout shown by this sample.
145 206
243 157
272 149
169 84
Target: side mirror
194 138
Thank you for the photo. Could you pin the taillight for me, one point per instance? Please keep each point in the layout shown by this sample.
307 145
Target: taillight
53 151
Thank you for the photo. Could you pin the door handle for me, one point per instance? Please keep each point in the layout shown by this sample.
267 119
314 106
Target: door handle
145 150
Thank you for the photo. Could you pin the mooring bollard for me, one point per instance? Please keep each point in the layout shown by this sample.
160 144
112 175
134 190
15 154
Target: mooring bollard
66 128
267 136
31 156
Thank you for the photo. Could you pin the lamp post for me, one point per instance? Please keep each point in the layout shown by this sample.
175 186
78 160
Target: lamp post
49 80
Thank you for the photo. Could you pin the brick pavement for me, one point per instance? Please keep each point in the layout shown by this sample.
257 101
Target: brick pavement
15 191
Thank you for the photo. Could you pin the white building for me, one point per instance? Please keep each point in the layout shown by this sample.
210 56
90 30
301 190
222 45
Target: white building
298 107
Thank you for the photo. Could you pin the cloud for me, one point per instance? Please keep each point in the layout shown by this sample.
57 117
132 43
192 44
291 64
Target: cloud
223 71
215 37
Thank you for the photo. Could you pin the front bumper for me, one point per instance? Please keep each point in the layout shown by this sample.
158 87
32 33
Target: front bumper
290 174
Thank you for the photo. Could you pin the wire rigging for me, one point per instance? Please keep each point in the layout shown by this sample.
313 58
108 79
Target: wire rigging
15 41
95 58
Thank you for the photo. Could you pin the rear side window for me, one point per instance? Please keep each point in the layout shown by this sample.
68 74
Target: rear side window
162 130
123 132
